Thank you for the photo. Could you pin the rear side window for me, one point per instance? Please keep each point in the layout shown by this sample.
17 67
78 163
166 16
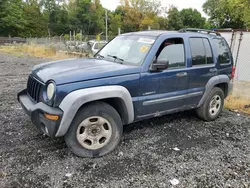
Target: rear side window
201 51
223 51
209 56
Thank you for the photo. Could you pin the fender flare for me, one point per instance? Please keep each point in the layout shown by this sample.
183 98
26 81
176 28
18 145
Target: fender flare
213 82
74 100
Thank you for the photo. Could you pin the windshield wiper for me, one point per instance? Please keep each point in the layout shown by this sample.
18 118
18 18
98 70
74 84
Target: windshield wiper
115 57
99 55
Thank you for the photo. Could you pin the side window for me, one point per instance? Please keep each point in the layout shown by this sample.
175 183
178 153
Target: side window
96 46
209 55
172 50
201 51
223 51
197 51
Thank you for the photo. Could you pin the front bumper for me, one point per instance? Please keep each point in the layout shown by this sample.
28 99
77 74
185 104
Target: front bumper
36 113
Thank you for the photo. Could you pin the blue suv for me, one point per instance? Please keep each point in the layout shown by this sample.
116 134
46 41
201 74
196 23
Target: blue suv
135 76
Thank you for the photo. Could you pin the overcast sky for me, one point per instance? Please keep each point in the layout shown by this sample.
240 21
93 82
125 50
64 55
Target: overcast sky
111 4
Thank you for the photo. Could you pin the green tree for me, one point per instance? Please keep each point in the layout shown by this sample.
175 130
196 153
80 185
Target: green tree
174 19
36 21
192 18
12 17
209 25
37 18
78 15
139 14
132 19
57 17
241 11
97 16
87 16
146 22
225 13
115 23
163 23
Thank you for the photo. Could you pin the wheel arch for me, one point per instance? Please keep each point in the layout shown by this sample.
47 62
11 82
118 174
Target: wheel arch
224 87
221 81
117 103
116 96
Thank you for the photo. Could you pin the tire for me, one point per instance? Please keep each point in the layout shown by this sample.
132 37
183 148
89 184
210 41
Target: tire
213 105
95 131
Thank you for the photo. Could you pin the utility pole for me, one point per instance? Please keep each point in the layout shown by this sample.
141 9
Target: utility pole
106 20
81 35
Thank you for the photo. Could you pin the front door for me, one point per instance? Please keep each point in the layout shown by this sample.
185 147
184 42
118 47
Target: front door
165 91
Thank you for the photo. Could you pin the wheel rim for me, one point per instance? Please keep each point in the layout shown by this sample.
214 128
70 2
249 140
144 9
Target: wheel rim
94 132
215 105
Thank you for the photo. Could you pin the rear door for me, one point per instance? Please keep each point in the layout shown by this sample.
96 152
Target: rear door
200 70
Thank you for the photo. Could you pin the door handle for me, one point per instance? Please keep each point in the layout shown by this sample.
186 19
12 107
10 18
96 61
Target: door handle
213 70
181 74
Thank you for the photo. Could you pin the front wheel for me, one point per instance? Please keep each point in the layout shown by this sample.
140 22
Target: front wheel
213 105
95 131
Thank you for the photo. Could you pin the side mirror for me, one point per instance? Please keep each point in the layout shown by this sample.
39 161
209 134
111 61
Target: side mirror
159 65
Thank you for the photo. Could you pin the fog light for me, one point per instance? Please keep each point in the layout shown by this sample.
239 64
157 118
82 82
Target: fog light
51 117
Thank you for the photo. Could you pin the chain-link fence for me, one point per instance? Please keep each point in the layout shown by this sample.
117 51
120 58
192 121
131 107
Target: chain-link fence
73 45
239 42
59 43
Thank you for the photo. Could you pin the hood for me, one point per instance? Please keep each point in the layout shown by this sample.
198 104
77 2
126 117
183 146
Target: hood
74 70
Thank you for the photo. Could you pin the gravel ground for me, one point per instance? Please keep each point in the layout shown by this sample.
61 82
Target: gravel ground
214 154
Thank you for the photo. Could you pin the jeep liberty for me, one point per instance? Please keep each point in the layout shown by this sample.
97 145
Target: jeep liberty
135 76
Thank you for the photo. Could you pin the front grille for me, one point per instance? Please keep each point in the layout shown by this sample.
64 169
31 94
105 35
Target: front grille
34 88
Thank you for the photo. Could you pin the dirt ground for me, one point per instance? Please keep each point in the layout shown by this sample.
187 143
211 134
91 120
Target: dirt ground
214 154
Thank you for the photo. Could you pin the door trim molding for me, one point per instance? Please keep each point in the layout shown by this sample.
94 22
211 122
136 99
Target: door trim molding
161 113
163 100
194 94
173 98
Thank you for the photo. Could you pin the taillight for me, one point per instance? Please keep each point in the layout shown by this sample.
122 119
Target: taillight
233 72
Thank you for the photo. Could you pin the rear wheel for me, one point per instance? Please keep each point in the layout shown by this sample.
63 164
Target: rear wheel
95 131
213 105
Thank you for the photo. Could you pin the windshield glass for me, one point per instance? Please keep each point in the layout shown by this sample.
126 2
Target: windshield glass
127 48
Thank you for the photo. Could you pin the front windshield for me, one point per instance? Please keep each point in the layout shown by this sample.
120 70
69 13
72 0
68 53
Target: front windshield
127 49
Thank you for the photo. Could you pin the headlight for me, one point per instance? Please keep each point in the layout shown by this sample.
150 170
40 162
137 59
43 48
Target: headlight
50 90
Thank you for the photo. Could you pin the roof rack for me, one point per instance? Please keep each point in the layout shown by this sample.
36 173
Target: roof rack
206 31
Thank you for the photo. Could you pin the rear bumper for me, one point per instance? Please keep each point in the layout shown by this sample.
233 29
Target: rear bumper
36 113
230 88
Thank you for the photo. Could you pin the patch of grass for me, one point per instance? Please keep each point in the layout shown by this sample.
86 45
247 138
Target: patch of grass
32 49
237 103
36 50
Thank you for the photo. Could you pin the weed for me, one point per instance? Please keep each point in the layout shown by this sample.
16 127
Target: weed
238 103
43 51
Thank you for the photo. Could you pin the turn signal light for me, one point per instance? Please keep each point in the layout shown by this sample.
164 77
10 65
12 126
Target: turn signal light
51 117
233 72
